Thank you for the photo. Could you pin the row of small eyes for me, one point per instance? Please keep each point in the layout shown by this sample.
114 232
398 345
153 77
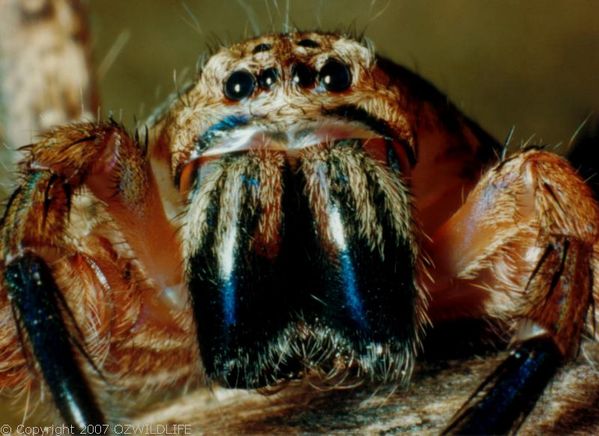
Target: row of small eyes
334 76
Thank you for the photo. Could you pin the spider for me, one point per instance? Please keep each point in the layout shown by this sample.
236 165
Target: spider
305 209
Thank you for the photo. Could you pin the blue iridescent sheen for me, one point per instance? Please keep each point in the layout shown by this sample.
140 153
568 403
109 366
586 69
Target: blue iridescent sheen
250 181
228 295
228 123
511 391
40 308
350 287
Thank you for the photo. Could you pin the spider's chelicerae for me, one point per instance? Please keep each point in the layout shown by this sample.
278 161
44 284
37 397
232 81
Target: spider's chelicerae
306 210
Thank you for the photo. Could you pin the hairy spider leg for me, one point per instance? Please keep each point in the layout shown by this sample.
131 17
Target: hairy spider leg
509 394
36 300
44 263
520 250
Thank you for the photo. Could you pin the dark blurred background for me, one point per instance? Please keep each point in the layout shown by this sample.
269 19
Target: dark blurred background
531 64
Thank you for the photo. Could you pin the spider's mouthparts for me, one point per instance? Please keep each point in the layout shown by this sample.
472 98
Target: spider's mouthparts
293 142
325 242
290 140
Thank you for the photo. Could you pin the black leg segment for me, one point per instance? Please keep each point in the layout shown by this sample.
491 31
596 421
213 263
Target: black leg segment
506 397
37 303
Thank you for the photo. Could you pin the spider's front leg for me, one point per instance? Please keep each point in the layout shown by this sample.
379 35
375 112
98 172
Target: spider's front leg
519 250
62 276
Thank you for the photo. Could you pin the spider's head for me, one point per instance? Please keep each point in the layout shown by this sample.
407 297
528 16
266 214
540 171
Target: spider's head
293 153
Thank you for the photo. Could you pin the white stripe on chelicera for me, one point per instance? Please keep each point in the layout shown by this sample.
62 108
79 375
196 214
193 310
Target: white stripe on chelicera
336 228
228 245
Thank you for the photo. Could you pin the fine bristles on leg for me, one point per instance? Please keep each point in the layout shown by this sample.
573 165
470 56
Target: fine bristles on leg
506 397
36 301
520 250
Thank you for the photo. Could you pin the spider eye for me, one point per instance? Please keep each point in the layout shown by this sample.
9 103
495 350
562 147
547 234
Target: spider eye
303 75
308 43
335 76
268 78
239 85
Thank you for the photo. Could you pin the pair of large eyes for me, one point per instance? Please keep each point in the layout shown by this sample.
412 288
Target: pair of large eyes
334 76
